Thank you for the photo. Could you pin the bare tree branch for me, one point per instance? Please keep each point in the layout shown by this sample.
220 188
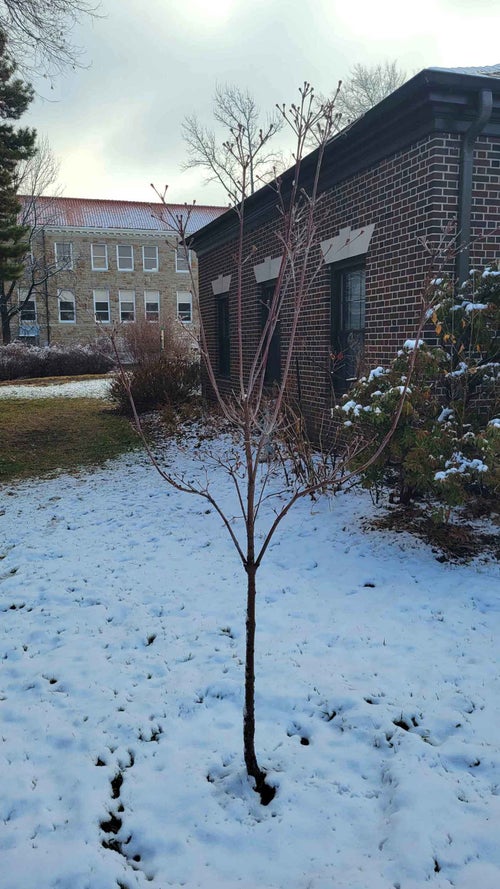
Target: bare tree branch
39 33
367 86
243 141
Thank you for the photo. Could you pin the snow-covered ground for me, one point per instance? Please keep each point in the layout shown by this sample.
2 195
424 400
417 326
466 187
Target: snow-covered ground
75 389
121 647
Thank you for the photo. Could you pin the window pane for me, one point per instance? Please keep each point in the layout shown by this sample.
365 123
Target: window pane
125 257
66 306
354 300
150 259
184 307
127 305
64 254
182 262
102 311
66 311
99 257
127 312
28 312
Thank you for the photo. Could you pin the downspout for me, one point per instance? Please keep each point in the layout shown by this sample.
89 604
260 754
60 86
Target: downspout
45 287
465 185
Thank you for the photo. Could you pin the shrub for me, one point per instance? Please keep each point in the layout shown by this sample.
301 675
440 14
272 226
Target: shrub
159 382
144 341
447 441
18 361
436 449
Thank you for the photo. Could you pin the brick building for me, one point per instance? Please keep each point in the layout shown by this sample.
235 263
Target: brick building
110 262
419 169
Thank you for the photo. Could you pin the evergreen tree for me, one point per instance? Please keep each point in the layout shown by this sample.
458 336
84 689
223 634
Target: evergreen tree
16 145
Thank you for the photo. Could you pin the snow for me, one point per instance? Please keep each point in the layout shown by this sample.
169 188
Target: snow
409 345
446 414
121 651
462 368
377 372
352 407
475 307
76 389
459 464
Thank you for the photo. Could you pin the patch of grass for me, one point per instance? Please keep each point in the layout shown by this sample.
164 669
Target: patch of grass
51 435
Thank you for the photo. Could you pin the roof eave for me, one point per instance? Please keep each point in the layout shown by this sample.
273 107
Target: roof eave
432 101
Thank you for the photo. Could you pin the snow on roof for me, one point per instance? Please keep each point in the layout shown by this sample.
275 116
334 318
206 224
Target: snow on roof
481 71
104 214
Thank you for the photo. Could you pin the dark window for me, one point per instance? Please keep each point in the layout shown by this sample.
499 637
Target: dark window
273 365
348 325
223 340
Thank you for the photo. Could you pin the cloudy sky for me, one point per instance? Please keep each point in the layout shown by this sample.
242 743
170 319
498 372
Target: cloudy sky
115 126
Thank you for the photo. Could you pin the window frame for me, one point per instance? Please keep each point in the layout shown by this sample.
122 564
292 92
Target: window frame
97 268
101 300
121 300
66 265
187 297
119 267
60 291
157 300
272 371
342 378
177 269
223 336
157 265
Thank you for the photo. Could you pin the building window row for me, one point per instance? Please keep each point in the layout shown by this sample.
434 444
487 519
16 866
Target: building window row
126 306
125 257
102 306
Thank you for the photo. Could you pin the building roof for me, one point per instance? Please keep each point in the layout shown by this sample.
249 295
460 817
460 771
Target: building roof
88 213
476 71
436 100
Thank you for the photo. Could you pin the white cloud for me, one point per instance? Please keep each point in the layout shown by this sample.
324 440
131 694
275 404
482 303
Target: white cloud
117 124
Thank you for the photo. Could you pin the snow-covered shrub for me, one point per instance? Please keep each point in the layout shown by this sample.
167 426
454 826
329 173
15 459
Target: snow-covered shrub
18 361
409 461
447 440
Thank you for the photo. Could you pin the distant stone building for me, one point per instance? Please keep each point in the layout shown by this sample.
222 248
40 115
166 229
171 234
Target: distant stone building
114 262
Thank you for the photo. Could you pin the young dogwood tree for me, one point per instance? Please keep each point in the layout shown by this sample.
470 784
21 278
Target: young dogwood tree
257 417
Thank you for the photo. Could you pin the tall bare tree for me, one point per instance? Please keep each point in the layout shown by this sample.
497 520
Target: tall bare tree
239 118
36 179
257 419
39 33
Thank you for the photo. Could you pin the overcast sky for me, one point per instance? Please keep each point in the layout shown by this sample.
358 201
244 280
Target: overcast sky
116 125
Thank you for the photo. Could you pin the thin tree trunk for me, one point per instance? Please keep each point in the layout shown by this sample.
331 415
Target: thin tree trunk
249 711
253 769
6 334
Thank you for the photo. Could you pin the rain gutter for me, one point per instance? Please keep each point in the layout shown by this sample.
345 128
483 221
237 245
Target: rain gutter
465 184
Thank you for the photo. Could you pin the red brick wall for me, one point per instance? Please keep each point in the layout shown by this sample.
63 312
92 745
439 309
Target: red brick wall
412 197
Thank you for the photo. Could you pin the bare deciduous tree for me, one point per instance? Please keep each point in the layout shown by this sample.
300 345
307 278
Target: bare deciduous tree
238 116
39 33
258 419
366 86
36 178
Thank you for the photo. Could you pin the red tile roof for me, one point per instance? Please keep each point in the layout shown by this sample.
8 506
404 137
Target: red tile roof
103 214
